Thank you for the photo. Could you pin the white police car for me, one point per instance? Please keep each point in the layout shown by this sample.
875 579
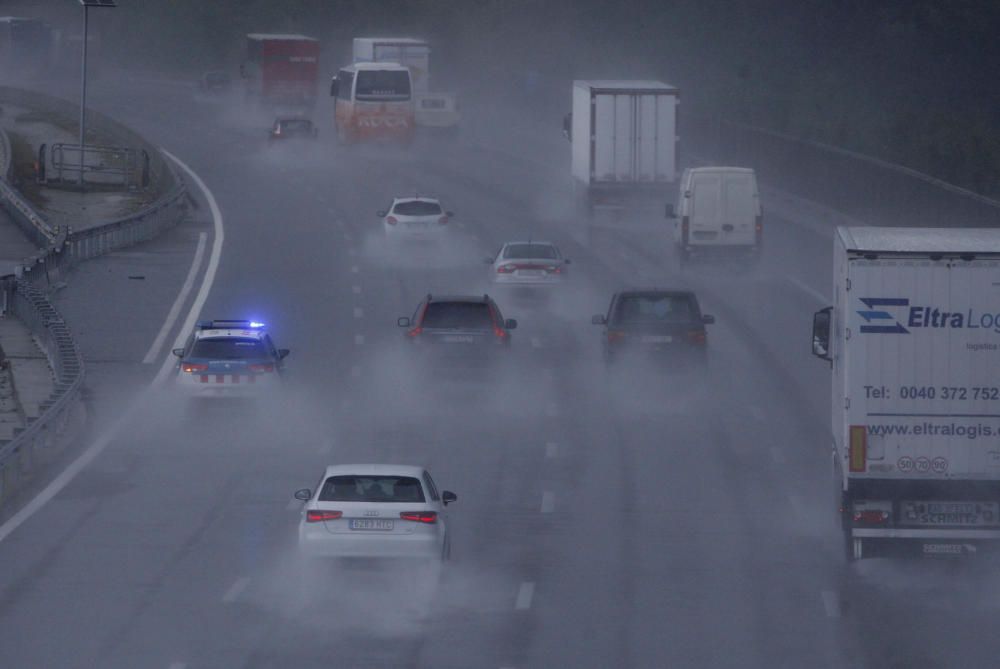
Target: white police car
229 358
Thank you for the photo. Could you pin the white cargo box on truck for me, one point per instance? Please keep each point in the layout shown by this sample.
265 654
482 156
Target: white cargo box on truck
435 110
624 137
914 342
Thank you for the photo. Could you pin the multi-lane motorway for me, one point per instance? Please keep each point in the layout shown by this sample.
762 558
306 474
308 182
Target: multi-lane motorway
638 519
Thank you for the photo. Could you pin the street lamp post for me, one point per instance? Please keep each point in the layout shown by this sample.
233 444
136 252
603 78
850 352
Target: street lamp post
87 4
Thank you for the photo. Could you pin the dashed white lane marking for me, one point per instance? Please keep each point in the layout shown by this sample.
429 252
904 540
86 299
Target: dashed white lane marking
359 312
236 589
356 289
294 504
831 603
551 449
548 501
175 308
551 410
808 290
777 456
359 340
355 269
536 342
103 440
524 596
355 372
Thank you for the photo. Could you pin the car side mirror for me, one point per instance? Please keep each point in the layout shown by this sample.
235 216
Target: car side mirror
283 353
381 214
305 494
510 324
821 334
447 497
334 87
707 319
179 352
669 211
403 322
599 319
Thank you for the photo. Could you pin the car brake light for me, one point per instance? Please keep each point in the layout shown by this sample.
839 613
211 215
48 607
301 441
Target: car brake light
391 220
499 331
443 220
264 367
428 517
415 332
506 269
871 516
193 367
615 335
318 515
555 269
697 337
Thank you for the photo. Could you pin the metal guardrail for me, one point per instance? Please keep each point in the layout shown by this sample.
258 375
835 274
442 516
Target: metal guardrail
60 249
38 442
866 188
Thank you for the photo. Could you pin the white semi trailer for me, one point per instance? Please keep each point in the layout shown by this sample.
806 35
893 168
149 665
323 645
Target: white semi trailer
433 110
624 140
913 338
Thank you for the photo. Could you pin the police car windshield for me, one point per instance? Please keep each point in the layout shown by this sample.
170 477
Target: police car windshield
371 489
654 309
228 348
465 315
417 208
531 252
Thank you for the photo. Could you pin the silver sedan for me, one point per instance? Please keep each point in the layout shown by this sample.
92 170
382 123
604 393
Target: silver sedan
528 263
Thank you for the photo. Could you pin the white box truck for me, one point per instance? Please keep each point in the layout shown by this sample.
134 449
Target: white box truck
624 139
433 110
913 338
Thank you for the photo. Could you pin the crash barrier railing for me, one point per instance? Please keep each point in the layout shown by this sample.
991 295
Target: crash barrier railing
27 218
38 443
866 188
99 165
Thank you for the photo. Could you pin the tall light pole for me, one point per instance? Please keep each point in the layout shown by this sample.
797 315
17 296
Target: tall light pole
87 4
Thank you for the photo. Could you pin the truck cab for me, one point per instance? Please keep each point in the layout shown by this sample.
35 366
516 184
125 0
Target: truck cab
718 210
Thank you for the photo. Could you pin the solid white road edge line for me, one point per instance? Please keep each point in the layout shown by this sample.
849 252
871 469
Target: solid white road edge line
175 309
236 589
808 290
524 596
102 441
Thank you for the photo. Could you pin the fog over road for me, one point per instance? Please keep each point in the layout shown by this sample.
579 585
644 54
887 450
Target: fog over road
636 518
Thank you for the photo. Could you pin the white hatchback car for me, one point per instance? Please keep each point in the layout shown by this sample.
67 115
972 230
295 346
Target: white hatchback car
528 263
415 217
375 511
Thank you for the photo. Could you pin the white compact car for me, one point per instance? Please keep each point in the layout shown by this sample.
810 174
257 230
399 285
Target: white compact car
528 263
414 217
375 511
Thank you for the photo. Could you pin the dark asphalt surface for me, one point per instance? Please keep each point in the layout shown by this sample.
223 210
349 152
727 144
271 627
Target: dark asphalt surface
639 518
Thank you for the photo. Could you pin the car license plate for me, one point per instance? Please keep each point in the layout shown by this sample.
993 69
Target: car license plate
951 513
371 524
530 272
459 339
657 339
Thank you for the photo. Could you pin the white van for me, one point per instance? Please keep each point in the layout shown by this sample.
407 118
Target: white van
718 209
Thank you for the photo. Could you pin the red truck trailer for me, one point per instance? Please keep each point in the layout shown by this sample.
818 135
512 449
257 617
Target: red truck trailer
281 69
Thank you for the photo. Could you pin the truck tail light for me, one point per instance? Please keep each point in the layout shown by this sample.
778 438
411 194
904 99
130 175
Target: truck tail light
263 367
871 516
858 451
193 367
318 516
428 517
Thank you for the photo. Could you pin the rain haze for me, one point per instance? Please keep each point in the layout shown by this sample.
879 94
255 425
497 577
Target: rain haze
499 334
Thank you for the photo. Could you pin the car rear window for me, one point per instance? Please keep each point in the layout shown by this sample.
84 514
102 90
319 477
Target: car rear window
473 315
531 251
417 208
655 309
228 348
371 489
